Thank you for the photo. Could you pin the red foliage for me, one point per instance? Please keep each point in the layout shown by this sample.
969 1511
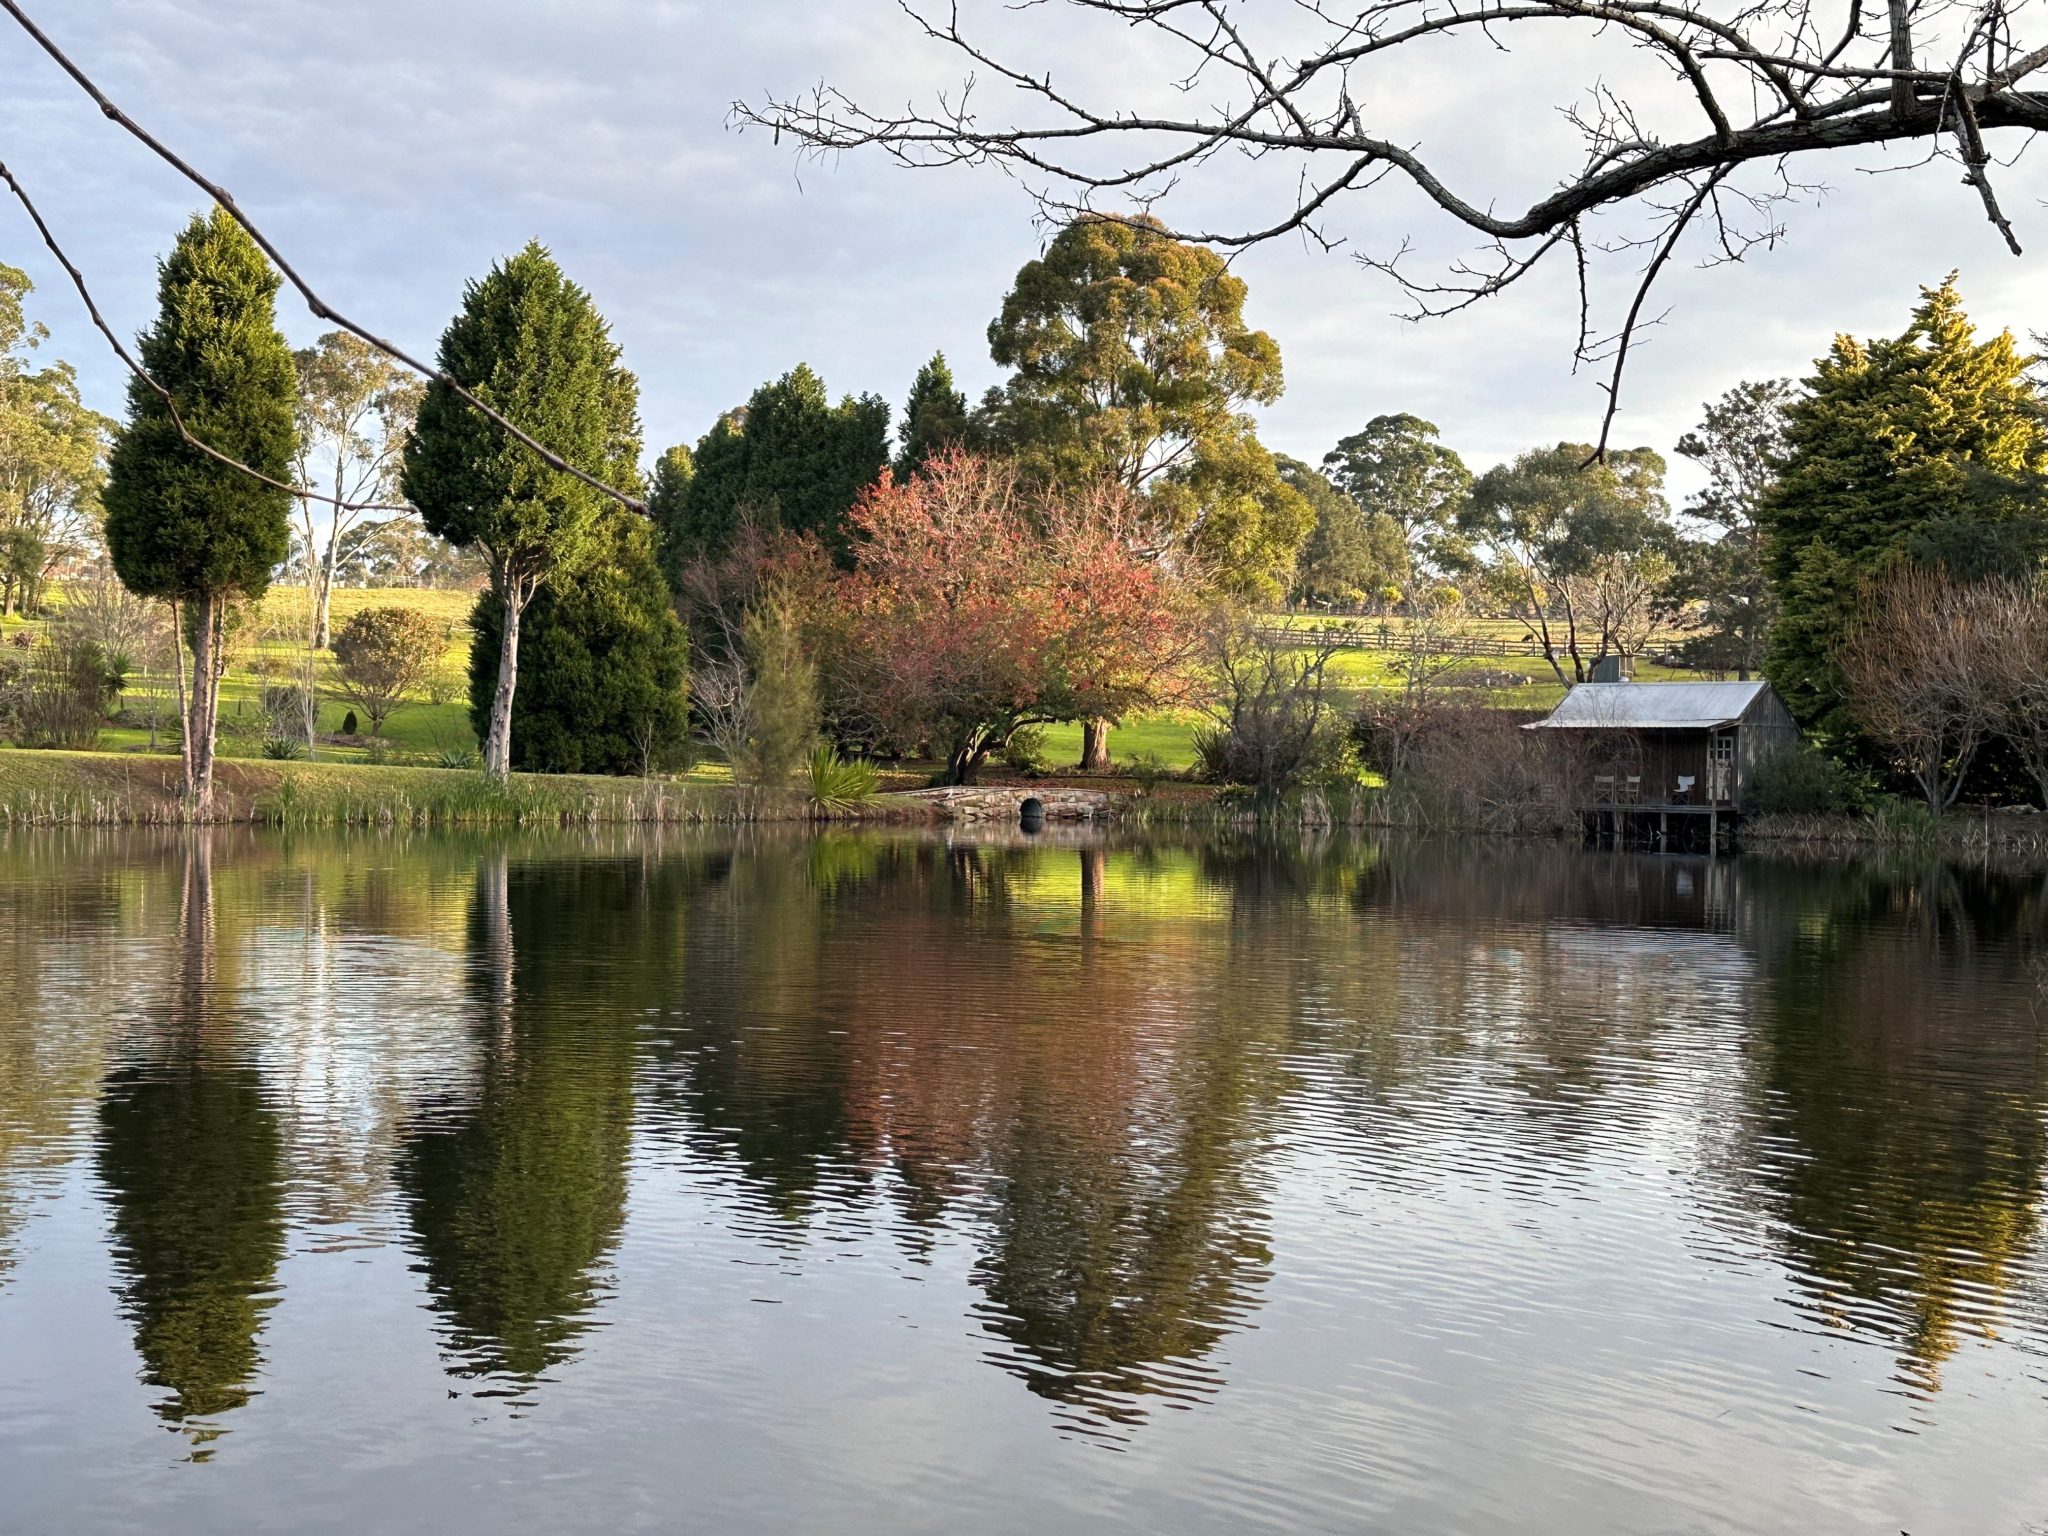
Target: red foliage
977 606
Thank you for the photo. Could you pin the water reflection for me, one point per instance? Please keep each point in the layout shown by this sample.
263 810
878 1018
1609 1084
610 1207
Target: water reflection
516 1190
1122 1104
189 1154
1901 1139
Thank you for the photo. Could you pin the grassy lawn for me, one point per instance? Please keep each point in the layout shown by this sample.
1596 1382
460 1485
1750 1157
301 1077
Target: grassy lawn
270 651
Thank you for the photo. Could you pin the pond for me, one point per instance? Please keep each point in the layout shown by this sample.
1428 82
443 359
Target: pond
865 1183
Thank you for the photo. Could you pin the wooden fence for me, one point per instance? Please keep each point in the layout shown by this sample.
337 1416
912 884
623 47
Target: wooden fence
1370 637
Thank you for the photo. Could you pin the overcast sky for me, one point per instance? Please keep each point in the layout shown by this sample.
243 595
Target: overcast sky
394 148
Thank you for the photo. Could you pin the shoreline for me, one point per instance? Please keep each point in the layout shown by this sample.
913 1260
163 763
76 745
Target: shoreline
110 789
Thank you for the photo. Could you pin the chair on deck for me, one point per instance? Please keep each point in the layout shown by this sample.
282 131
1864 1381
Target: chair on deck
1685 784
1633 790
1603 787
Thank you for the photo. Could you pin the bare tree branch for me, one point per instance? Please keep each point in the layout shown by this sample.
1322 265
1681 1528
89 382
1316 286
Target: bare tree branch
135 367
319 306
1809 86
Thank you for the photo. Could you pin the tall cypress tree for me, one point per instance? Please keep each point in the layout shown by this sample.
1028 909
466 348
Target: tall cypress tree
532 345
934 417
181 525
1912 448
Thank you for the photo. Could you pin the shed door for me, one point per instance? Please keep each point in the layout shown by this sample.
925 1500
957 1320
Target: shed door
1721 767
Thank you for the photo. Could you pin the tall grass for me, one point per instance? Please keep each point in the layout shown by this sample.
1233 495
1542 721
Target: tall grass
101 789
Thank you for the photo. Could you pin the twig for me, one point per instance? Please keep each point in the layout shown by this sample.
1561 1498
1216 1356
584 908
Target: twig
319 306
135 367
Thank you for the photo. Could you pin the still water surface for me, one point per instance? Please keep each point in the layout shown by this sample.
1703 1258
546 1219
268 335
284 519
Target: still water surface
861 1184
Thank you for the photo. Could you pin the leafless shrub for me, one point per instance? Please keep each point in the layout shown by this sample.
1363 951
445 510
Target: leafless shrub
1275 711
1470 768
1924 669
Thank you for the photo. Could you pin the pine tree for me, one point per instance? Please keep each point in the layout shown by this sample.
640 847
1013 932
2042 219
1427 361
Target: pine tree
934 418
603 662
665 499
789 458
532 345
1907 449
181 525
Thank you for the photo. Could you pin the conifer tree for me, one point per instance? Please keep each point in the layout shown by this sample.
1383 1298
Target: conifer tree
605 662
934 418
530 344
181 525
1913 448
665 499
789 458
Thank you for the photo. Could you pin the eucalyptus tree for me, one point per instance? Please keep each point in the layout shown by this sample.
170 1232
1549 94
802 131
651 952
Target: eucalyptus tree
356 406
1578 550
1394 467
1132 365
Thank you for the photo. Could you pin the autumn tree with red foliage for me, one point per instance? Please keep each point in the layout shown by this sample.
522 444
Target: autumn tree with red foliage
978 605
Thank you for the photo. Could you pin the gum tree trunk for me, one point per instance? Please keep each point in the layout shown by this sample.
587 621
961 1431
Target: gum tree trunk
498 744
202 703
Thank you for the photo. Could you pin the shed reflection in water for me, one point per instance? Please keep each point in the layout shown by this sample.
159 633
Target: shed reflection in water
1089 1085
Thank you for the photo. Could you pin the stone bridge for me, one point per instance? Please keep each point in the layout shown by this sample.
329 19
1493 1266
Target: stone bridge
1007 805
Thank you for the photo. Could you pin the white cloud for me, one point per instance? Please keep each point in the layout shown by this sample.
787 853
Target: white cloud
395 147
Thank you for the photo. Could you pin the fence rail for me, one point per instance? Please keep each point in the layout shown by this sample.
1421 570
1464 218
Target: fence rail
1374 637
1369 637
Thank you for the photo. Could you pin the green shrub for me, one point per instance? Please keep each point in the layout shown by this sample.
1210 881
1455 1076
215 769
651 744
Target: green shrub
1149 770
1024 752
348 723
783 706
283 749
59 697
838 784
1803 783
458 758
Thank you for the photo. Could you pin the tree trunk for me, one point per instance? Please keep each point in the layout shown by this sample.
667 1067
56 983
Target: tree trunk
1095 746
323 607
202 703
498 745
962 763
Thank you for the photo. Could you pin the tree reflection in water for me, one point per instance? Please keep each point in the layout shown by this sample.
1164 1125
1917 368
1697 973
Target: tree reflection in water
1902 1142
190 1157
517 1193
1076 1077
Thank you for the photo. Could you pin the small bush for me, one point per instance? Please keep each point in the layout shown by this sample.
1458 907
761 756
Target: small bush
458 758
837 784
1149 770
1024 752
283 749
59 697
1802 783
348 723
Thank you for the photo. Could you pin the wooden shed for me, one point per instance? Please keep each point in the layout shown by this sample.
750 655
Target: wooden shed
1653 751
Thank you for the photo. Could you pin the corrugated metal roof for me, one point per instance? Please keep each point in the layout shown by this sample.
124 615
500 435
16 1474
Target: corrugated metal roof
1652 706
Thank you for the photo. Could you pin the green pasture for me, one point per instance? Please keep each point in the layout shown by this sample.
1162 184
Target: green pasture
270 649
